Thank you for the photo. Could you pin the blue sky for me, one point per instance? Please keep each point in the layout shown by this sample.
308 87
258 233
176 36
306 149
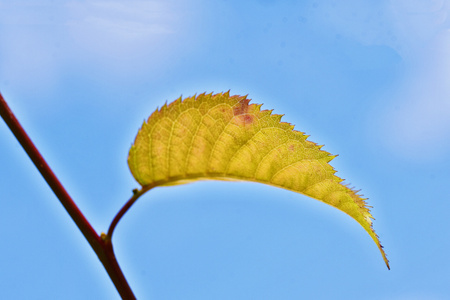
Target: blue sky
369 79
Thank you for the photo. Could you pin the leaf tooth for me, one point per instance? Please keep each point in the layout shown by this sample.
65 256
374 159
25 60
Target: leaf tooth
205 95
175 103
278 117
237 99
329 157
152 116
163 109
188 100
238 96
195 97
266 112
287 126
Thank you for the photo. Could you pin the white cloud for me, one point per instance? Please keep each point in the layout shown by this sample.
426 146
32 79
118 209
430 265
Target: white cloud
417 122
405 25
42 40
27 57
119 27
414 23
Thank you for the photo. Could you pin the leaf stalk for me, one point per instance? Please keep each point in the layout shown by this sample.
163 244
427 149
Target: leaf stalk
125 208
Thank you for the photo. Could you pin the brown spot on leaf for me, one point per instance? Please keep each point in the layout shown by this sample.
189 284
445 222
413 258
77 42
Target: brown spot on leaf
247 119
240 111
241 107
243 120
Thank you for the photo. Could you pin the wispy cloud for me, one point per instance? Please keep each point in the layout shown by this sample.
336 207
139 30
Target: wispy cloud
41 40
416 23
116 26
417 121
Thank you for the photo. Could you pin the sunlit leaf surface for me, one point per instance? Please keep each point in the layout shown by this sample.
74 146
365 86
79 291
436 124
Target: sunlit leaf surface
222 137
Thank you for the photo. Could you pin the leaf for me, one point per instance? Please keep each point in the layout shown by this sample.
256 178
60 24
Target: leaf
223 137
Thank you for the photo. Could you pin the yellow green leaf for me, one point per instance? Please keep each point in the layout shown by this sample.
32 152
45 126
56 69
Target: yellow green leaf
223 137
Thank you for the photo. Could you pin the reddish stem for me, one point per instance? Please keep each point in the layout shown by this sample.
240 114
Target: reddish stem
101 246
125 208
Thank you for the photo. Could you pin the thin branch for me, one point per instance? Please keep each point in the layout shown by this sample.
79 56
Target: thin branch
46 172
103 248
